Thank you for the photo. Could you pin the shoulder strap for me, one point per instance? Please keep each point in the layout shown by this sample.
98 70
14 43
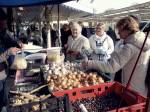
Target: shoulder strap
104 40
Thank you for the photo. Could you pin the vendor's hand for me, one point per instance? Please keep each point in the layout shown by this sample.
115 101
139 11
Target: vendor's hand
14 50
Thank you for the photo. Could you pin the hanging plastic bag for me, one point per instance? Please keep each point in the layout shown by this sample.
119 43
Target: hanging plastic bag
19 62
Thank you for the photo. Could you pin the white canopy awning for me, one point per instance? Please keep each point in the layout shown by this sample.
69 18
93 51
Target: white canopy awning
36 13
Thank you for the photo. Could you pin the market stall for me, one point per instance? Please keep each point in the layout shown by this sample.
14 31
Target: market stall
44 77
45 82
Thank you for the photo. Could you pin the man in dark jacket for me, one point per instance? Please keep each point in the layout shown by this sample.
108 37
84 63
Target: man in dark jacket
53 35
65 33
8 47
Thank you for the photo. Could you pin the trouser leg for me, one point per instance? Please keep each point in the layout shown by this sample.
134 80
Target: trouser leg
4 93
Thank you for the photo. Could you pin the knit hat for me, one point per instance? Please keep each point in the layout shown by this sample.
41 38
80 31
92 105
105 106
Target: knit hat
3 15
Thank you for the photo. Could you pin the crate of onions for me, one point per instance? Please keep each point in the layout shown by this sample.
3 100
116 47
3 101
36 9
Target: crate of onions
54 104
104 97
68 76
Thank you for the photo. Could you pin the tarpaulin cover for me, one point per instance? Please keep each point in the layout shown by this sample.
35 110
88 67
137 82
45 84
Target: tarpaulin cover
16 3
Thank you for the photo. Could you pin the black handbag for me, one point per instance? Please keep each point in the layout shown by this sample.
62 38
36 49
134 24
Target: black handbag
3 66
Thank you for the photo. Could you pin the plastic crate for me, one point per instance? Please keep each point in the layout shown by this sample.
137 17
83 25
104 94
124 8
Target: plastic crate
25 83
22 77
135 102
54 104
26 87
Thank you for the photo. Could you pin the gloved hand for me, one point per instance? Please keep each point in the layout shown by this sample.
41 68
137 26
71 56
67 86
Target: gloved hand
84 63
88 52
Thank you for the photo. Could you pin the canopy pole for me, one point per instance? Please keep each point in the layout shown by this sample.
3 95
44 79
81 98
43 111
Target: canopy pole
48 26
10 20
59 34
45 12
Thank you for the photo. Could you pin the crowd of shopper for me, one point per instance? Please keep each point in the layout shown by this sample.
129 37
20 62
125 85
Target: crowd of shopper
126 55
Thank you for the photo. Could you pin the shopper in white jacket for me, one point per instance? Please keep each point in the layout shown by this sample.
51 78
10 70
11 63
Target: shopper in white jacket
101 43
126 56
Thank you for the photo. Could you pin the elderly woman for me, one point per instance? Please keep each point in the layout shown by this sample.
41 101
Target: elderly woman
126 56
76 43
101 43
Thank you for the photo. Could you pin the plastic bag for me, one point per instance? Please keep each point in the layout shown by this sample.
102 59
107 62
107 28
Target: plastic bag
19 62
100 51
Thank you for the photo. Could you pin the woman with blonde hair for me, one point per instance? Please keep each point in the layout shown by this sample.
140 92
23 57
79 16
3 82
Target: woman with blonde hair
101 43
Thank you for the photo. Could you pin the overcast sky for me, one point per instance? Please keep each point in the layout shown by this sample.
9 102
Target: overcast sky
102 5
